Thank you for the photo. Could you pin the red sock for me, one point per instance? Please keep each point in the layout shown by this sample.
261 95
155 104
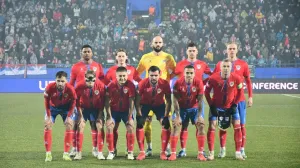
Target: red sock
165 136
100 141
48 140
174 140
74 139
140 136
222 136
183 138
94 137
211 139
110 141
201 142
79 141
237 137
130 141
116 136
243 129
68 140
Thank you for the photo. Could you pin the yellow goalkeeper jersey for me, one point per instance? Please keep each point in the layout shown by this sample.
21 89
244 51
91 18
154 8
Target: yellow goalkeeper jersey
164 61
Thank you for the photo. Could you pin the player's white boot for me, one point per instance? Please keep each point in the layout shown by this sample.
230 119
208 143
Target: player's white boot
73 152
222 153
168 150
211 155
243 153
95 151
66 156
100 156
110 156
130 156
238 156
78 156
48 157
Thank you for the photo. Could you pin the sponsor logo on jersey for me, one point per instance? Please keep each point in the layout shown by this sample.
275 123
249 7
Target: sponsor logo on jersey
95 69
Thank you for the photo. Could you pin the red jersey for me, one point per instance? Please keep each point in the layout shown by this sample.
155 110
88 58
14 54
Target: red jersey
119 95
90 98
200 68
79 69
241 68
225 92
64 100
187 94
111 74
153 95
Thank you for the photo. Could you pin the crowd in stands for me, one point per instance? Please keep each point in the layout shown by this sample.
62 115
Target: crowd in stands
52 31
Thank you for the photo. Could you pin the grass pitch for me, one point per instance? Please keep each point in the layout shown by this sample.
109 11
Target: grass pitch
273 138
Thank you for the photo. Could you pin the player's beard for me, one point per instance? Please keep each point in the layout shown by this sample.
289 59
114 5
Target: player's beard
157 49
153 82
60 88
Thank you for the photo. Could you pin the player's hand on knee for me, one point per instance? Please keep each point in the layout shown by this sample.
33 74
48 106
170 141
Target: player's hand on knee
69 123
130 124
99 124
177 121
109 123
199 121
48 122
213 110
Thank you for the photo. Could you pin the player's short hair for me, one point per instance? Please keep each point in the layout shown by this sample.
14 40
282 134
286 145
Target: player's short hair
121 69
191 44
122 50
60 74
86 46
226 60
232 42
153 69
189 67
90 72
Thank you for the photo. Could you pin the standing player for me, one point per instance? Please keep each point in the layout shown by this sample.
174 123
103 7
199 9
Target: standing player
200 68
166 63
60 99
241 68
90 104
188 100
121 93
150 96
227 88
78 74
121 60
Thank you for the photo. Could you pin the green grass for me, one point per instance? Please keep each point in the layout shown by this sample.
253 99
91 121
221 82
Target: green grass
273 138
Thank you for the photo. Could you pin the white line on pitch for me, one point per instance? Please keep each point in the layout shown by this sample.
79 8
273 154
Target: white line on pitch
291 96
273 126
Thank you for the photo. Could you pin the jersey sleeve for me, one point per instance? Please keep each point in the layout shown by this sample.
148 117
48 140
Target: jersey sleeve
246 75
178 69
218 67
73 75
175 89
101 72
102 96
207 69
136 76
47 100
131 90
209 86
171 65
141 67
140 87
201 88
167 87
106 79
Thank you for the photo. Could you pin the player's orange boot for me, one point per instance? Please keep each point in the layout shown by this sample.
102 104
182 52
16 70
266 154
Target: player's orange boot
201 157
163 156
141 156
172 157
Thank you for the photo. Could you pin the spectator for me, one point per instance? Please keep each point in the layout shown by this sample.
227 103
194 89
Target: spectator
272 61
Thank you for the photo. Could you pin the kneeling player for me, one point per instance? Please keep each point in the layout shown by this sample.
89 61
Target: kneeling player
60 99
90 105
121 93
150 96
223 106
188 99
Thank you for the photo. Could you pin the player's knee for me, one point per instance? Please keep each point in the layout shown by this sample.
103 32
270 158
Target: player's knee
81 127
212 124
236 122
200 128
129 128
48 126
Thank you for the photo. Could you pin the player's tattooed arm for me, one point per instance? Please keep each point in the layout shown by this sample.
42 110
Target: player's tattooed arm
200 100
131 107
137 102
175 101
107 105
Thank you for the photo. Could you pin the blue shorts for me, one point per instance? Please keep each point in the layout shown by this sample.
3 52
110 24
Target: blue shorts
242 111
90 114
235 116
118 116
62 112
189 114
159 111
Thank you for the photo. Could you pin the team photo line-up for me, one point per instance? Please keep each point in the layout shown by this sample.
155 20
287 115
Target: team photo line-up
121 92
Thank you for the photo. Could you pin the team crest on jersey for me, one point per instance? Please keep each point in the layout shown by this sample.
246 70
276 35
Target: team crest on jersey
128 72
125 90
221 118
231 84
198 66
96 92
226 118
238 67
158 90
66 95
194 89
95 69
